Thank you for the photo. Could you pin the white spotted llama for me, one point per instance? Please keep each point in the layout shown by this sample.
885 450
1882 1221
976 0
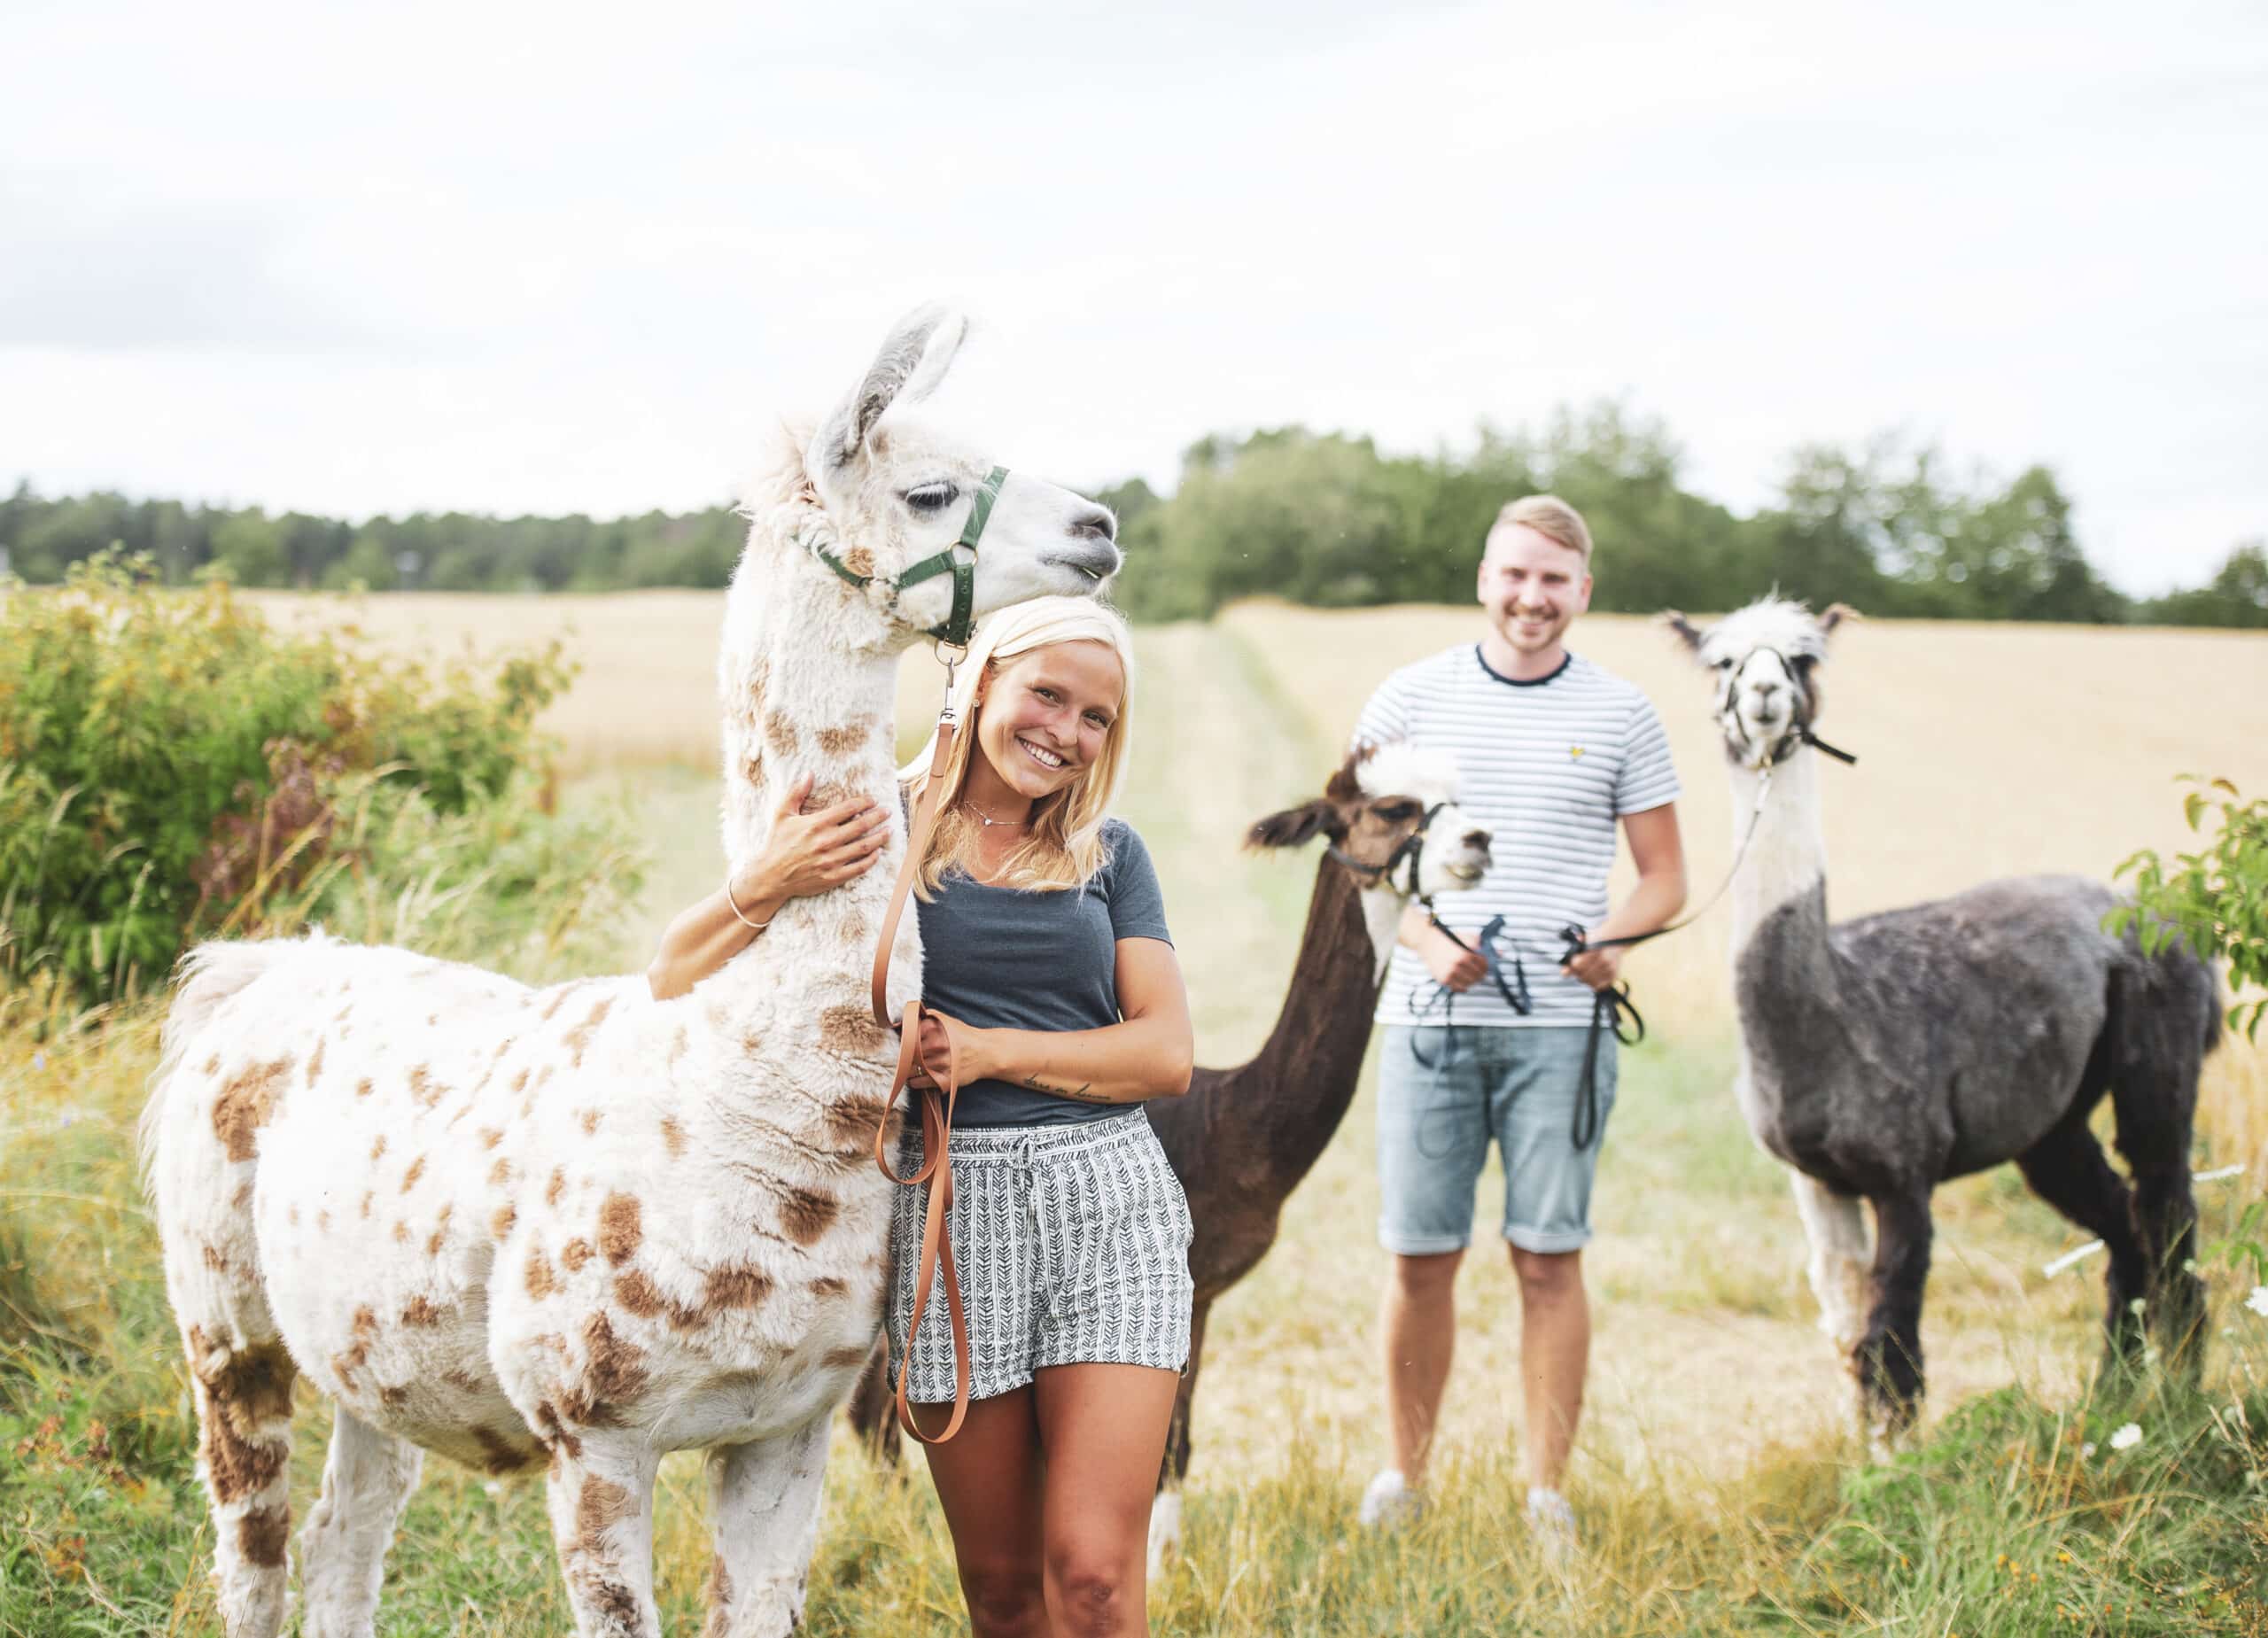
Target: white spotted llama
576 1225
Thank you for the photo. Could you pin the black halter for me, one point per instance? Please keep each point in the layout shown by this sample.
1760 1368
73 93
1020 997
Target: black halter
1412 847
1799 729
953 631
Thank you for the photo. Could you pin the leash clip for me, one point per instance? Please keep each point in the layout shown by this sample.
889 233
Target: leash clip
951 662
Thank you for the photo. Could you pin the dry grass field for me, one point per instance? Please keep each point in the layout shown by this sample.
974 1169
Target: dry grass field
1717 1411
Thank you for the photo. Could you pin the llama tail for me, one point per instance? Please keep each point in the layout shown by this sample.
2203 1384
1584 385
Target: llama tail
2176 997
209 976
197 1170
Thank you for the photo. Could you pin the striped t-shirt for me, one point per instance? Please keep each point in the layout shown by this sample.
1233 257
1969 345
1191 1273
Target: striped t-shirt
1547 766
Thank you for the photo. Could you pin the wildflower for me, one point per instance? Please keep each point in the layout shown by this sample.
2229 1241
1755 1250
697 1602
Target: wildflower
2258 1300
2087 1450
39 1060
2126 1438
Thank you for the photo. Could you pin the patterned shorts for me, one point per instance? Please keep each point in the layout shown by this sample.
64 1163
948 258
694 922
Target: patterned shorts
1073 1247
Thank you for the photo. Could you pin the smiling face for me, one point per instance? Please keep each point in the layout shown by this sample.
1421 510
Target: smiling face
1532 587
1045 716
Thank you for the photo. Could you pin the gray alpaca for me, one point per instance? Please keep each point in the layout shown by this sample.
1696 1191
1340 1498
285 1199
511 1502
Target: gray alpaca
1883 1055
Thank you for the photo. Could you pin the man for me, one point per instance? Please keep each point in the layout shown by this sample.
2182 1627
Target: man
1553 752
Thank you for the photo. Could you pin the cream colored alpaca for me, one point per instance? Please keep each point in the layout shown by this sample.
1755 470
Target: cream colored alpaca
576 1225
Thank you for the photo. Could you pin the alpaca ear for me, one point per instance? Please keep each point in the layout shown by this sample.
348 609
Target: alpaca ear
1837 613
1346 781
842 437
1294 826
1684 629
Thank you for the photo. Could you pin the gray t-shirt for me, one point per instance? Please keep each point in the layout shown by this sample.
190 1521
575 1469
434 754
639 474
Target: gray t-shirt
1005 959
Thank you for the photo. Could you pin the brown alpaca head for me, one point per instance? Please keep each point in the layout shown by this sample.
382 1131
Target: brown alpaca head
1370 810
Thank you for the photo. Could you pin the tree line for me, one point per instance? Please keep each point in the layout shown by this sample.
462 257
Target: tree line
1324 518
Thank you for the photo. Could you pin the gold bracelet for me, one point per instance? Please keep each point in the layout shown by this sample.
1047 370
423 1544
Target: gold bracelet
735 903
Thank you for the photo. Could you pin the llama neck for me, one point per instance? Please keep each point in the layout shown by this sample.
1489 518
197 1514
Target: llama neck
1296 1091
1784 981
1786 858
802 696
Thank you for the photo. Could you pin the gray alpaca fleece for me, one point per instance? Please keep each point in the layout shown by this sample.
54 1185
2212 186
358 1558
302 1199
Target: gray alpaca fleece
1934 1041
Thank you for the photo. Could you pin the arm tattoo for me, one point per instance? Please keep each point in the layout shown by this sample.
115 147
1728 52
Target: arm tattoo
1085 1093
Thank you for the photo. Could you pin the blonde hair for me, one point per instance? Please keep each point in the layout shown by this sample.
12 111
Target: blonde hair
1064 848
1552 518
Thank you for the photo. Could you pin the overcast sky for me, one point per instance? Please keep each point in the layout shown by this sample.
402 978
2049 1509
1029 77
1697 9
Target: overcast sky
559 258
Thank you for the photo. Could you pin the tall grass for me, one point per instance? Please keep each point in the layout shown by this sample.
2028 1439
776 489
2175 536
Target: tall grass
2003 1515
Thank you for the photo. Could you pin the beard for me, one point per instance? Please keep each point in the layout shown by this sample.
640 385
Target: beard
1546 630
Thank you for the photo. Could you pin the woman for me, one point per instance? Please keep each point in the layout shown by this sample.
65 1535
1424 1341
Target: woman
1044 931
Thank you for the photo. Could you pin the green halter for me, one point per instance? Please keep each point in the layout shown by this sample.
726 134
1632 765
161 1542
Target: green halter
954 630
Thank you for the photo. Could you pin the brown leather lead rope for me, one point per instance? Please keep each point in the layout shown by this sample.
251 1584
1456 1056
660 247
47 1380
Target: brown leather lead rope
936 1101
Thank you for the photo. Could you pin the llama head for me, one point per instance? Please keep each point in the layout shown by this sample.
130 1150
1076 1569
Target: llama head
1765 660
1390 814
882 492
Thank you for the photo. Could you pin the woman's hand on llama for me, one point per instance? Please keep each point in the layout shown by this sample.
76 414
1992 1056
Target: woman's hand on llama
811 852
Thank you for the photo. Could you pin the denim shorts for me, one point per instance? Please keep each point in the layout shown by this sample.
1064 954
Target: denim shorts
1516 1086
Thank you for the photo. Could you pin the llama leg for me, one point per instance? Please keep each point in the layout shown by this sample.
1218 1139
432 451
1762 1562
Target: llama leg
2154 1139
602 1502
2165 1212
244 1413
2159 1035
366 1483
874 1411
764 1498
2066 1169
1165 1511
1836 1225
1890 1357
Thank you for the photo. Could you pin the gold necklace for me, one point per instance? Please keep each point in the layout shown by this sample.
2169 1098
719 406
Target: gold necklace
988 821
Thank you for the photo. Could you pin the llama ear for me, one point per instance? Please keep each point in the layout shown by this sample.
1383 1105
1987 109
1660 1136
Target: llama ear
1684 629
936 358
842 437
1837 613
1294 826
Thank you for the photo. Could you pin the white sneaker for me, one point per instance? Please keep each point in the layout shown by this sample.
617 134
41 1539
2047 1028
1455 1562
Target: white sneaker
1552 1521
1389 1502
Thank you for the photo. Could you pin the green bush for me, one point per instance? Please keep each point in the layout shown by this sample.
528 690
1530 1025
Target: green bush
2215 899
171 766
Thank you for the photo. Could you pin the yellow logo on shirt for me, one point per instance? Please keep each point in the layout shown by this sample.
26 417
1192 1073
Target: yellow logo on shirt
1575 753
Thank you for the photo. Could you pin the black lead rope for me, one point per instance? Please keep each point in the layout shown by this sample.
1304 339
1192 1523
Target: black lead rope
1609 1007
1489 947
1611 1011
